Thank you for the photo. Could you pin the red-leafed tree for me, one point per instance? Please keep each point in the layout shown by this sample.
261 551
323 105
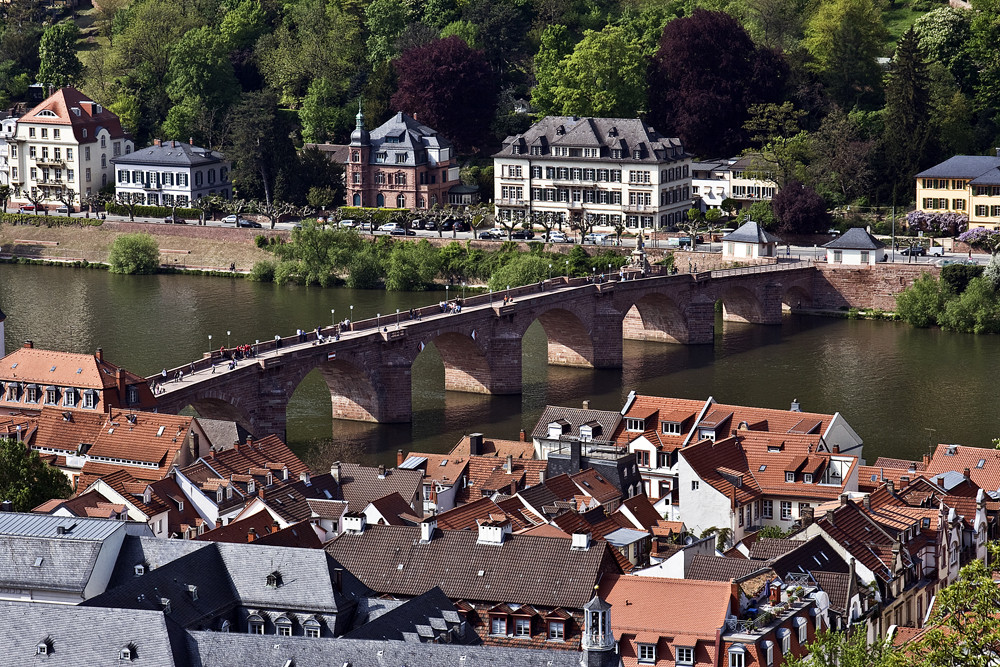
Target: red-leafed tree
705 75
799 209
449 87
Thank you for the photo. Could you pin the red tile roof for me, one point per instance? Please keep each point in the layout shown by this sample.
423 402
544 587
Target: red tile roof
73 108
494 447
445 469
668 608
960 457
391 507
592 483
465 517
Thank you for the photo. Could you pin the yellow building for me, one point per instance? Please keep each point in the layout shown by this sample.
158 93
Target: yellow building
966 184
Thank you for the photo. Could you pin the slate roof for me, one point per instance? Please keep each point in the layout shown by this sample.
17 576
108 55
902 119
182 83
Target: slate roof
150 552
814 554
65 103
605 134
751 232
338 153
714 568
836 585
18 524
170 154
221 434
855 238
84 636
63 565
962 166
523 569
225 649
401 134
231 575
576 417
360 485
420 619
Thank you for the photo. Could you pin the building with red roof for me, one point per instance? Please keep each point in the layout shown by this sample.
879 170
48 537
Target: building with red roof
65 144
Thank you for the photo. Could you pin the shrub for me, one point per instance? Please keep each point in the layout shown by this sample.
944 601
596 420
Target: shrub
955 277
260 241
921 303
262 272
154 211
47 220
286 272
523 270
134 254
975 311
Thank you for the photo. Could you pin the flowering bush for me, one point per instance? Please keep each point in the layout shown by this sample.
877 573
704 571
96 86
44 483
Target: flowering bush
937 224
982 239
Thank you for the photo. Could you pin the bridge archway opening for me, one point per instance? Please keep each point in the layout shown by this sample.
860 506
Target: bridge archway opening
466 367
352 394
739 304
569 340
655 317
796 298
220 409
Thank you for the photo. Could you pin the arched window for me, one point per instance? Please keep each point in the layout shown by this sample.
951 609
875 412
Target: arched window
380 201
104 160
421 202
312 628
255 624
283 626
357 199
401 201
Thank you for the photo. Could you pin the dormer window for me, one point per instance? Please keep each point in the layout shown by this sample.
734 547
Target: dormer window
670 428
132 395
647 654
807 478
737 656
44 647
128 653
255 624
139 570
684 655
635 425
251 486
312 628
284 626
789 476
218 495
274 579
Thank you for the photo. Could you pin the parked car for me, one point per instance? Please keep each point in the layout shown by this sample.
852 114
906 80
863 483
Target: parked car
231 219
596 239
559 237
346 224
399 231
493 234
175 219
389 227
523 234
249 224
26 208
916 251
460 226
936 251
62 210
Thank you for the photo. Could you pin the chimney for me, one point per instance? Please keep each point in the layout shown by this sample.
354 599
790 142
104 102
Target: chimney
381 472
867 502
156 142
335 471
218 523
836 449
523 435
829 517
574 456
581 542
493 531
399 457
891 486
338 579
29 344
249 441
354 522
304 477
120 380
99 355
965 473
927 460
275 527
508 466
251 535
586 405
236 445
427 527
476 444
191 141
541 477
807 515
998 152
260 491
843 499
795 405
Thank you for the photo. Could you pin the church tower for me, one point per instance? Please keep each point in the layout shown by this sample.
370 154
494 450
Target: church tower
357 165
598 641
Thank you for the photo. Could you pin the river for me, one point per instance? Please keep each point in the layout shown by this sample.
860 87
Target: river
890 381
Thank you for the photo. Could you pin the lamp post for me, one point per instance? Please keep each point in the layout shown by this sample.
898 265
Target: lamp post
567 268
352 314
256 347
397 318
210 345
228 341
463 290
333 317
446 294
378 316
491 298
550 270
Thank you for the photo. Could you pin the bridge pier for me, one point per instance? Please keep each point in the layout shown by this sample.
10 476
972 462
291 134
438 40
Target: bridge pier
700 317
504 358
770 301
608 338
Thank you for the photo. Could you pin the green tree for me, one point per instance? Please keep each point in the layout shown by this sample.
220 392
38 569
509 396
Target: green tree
411 266
848 649
605 76
5 193
783 145
134 254
921 303
57 52
243 24
259 145
556 44
841 158
760 211
26 480
385 21
200 69
319 113
907 112
844 37
984 45
523 269
944 35
464 30
976 310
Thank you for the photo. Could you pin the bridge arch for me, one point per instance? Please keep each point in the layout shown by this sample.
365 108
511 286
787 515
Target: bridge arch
216 406
466 366
656 317
740 304
352 393
570 340
795 297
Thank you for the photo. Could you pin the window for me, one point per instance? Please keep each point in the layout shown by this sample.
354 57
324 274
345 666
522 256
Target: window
838 256
647 653
32 394
31 132
737 657
69 397
789 476
685 655
69 153
89 399
498 625
51 396
45 133
88 174
670 428
694 485
255 625
312 628
981 210
557 630
642 458
786 641
768 654
786 510
768 509
635 425
284 627
522 627
803 630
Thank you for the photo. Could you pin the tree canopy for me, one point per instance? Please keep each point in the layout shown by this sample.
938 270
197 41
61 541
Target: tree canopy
26 480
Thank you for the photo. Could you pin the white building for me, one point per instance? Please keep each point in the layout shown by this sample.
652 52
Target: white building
750 241
855 248
65 143
614 169
7 128
172 173
715 180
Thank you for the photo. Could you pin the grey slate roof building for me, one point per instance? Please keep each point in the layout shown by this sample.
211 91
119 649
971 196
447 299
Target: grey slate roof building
430 617
403 135
855 238
751 232
571 419
172 172
71 636
963 166
625 139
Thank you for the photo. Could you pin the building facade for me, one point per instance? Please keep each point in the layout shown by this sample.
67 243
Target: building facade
716 180
65 144
612 169
172 173
964 184
400 164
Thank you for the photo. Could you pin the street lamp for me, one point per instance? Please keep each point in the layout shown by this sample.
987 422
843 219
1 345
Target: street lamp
333 318
446 293
256 348
228 341
397 318
550 270
463 290
209 344
567 268
352 314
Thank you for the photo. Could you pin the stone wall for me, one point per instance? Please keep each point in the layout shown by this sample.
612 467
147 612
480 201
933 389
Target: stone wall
711 261
838 287
193 231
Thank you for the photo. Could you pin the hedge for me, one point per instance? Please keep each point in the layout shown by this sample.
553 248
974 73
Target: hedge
381 214
47 220
155 211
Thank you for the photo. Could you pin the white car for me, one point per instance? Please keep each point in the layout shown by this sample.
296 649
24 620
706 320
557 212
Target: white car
388 227
231 219
596 239
558 237
347 224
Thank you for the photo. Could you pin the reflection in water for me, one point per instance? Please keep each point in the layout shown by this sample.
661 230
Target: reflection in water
890 381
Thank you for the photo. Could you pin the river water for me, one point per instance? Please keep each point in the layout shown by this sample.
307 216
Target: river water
891 382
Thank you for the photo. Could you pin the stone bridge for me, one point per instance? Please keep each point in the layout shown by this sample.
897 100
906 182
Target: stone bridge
368 368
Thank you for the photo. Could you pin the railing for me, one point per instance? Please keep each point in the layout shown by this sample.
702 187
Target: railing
761 268
47 160
511 202
639 208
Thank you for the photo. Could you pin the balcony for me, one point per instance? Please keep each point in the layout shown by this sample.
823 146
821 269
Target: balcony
639 208
511 202
50 161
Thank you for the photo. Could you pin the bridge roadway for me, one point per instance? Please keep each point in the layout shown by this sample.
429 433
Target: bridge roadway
367 369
